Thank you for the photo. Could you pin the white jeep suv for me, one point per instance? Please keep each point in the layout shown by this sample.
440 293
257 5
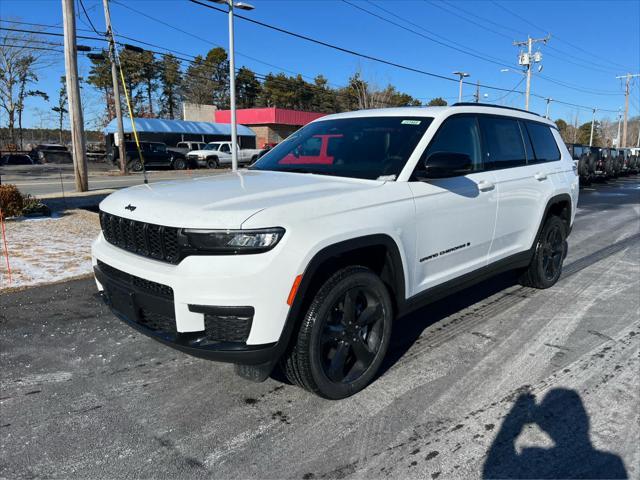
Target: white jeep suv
306 258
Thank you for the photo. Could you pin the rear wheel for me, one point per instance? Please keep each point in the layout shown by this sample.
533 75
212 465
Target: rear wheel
344 335
551 248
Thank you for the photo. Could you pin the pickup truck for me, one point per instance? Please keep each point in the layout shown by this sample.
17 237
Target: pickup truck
216 154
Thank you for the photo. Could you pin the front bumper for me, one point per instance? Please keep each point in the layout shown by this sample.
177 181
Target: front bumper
197 283
149 308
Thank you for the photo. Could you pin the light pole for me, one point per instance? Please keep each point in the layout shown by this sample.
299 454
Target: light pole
232 78
618 136
549 100
593 121
462 76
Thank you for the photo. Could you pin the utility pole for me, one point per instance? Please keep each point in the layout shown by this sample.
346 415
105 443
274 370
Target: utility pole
619 121
628 76
116 88
477 94
73 92
528 58
462 76
593 121
549 100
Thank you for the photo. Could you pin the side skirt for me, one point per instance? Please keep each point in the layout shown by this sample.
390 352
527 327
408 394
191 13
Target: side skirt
519 260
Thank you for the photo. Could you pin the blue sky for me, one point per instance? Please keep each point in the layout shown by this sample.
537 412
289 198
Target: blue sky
591 43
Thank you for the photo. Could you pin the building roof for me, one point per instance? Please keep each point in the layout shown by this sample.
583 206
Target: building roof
271 115
159 125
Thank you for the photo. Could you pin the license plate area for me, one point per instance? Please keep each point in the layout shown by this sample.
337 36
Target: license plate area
122 301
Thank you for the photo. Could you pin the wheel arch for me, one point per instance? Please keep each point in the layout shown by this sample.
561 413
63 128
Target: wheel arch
355 251
559 205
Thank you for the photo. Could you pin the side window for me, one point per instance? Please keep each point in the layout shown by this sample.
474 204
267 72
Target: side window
225 148
459 134
505 147
544 143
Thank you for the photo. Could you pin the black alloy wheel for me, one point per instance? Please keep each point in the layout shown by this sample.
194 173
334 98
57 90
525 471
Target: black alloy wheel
553 252
352 335
344 335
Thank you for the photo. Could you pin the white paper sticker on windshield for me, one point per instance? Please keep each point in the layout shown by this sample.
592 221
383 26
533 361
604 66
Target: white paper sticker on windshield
411 122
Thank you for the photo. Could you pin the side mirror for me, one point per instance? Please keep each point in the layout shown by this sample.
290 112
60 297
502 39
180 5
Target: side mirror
447 164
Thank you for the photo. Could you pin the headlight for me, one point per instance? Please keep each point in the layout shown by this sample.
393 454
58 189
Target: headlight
233 241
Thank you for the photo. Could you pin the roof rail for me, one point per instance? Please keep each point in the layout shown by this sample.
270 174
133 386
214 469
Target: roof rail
474 104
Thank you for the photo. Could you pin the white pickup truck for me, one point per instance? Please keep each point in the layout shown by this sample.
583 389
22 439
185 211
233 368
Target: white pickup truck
216 154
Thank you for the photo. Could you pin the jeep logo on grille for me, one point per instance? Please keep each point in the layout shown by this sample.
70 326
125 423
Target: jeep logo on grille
130 207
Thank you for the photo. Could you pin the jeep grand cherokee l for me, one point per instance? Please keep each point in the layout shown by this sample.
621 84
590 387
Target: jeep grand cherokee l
307 257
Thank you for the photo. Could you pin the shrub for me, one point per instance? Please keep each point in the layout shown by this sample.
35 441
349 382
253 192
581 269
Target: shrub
11 201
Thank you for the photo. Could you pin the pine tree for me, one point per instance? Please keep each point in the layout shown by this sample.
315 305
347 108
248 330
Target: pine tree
170 81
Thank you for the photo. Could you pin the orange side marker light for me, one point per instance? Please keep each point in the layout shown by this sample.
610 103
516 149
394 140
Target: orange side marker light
294 290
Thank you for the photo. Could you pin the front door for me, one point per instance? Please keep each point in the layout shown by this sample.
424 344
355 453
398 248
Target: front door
455 217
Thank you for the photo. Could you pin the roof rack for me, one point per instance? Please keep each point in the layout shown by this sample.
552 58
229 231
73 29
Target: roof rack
474 104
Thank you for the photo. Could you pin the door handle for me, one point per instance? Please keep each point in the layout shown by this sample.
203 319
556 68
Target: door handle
485 185
540 176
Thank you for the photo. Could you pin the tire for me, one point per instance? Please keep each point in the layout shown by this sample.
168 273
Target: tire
135 165
212 163
179 164
550 250
333 356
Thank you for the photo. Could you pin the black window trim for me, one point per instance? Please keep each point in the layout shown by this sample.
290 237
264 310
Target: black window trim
536 161
484 145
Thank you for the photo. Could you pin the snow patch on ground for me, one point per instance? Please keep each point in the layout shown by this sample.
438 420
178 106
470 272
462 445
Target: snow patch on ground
47 250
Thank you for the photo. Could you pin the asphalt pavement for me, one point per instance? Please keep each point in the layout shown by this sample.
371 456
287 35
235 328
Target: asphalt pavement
498 381
55 180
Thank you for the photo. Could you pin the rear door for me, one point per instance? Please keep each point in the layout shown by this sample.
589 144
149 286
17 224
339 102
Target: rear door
455 217
524 183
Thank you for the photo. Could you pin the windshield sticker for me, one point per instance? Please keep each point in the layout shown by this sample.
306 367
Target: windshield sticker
411 122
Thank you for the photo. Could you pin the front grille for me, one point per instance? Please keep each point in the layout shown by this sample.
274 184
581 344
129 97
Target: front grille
147 285
146 239
227 329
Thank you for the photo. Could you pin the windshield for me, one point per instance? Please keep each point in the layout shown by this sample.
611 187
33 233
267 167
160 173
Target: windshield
211 146
368 147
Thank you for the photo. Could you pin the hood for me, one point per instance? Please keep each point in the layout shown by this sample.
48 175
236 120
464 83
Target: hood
224 201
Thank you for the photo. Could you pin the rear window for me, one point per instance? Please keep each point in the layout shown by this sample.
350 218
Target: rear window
544 144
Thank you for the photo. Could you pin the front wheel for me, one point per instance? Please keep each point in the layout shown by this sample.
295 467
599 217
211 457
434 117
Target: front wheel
344 336
135 165
551 248
212 163
179 164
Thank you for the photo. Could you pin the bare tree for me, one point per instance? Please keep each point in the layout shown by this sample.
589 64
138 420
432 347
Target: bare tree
21 55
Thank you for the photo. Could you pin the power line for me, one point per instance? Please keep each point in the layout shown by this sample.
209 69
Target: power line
527 21
464 50
31 47
43 25
89 19
197 37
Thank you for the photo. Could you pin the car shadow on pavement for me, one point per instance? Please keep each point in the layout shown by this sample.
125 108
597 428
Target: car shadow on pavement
562 416
408 329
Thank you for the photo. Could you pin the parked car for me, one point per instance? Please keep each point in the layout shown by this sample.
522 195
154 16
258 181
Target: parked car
604 166
626 165
585 161
15 159
635 159
216 154
154 154
51 153
308 264
187 146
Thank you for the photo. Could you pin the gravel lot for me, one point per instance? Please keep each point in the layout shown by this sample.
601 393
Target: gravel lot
499 381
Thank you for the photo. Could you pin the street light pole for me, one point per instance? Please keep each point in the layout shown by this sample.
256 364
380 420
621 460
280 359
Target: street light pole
462 76
593 121
549 100
232 79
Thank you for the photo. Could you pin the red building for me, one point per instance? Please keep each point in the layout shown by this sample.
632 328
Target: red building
271 125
